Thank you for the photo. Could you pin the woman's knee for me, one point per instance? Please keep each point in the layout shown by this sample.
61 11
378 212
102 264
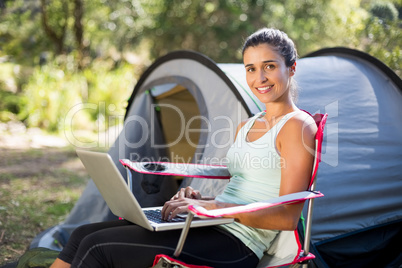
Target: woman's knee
89 252
77 235
82 231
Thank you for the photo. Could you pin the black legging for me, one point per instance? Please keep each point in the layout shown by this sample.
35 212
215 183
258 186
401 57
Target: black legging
123 244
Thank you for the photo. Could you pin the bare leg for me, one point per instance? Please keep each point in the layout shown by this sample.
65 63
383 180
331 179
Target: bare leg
60 264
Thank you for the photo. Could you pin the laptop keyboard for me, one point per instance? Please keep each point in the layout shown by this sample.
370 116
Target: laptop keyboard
155 216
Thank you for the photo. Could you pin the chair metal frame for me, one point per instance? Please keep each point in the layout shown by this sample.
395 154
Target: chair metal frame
305 255
320 121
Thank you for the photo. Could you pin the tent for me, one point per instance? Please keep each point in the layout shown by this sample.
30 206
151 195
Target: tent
187 102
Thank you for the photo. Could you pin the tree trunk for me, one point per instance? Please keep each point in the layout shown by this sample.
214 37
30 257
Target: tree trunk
57 39
79 31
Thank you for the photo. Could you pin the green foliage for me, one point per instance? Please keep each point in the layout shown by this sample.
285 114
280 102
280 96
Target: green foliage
58 14
383 41
385 11
109 90
47 88
11 105
12 101
58 70
19 35
215 28
112 88
382 35
54 93
218 28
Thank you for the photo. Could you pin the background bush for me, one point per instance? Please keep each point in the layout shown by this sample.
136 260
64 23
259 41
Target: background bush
57 54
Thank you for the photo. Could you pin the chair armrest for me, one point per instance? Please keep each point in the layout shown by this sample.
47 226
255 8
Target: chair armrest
178 169
202 212
278 201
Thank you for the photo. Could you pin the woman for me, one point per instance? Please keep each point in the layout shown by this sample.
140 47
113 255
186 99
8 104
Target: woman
276 144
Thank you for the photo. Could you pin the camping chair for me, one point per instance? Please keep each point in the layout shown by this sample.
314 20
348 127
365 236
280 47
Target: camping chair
286 248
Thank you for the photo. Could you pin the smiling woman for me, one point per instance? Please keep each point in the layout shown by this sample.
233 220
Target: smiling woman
266 73
283 47
282 135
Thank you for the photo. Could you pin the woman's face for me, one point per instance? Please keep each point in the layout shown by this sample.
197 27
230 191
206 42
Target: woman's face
267 74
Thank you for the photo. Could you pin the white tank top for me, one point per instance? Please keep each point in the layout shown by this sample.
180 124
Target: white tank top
256 175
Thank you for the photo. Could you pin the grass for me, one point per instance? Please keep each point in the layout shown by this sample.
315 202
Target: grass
38 188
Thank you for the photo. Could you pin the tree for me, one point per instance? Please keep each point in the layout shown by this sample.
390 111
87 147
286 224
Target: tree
54 20
382 35
79 31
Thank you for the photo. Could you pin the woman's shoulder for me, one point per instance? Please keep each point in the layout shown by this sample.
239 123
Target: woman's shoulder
303 117
301 122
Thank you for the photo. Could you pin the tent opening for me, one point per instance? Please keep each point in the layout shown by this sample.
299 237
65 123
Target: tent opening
180 120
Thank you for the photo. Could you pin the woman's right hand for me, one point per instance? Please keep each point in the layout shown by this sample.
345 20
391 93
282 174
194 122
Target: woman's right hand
187 192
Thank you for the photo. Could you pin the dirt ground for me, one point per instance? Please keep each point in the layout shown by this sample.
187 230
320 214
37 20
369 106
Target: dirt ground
40 180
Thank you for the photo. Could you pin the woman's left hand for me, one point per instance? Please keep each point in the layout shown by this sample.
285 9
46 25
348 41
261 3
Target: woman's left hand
188 192
181 204
177 206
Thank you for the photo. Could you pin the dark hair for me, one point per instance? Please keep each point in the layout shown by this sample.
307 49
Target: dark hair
277 39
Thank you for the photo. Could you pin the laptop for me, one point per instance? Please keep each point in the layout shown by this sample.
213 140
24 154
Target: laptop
123 203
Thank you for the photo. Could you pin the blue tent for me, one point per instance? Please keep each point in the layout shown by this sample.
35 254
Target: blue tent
358 222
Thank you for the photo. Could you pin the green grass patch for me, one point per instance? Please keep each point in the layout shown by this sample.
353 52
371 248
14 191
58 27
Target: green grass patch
38 189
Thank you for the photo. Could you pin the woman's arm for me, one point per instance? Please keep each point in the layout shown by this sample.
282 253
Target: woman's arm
296 144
